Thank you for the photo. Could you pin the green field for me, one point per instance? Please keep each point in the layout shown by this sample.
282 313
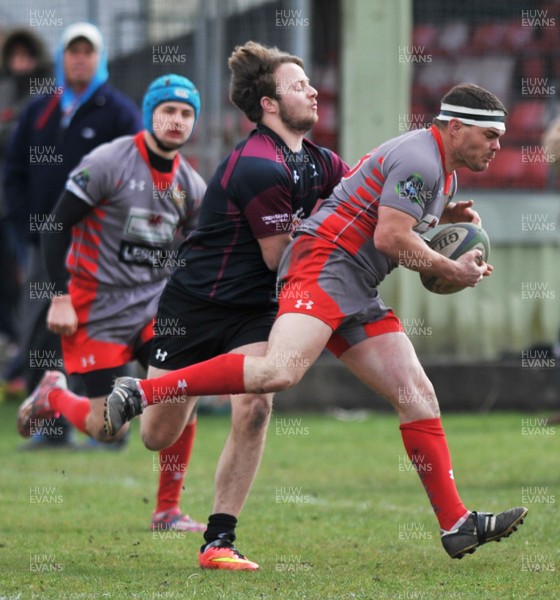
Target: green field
336 513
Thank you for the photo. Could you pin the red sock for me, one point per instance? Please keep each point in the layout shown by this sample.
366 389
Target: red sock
426 447
74 408
173 462
220 375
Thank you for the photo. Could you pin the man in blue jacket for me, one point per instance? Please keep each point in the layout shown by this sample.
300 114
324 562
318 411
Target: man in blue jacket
53 133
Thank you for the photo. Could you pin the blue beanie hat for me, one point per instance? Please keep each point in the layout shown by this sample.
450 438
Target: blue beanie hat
169 88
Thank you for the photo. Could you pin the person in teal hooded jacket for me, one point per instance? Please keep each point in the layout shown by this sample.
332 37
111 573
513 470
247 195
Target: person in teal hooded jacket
80 112
75 115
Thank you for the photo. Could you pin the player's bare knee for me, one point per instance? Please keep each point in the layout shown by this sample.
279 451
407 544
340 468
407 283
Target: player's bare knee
430 408
253 415
152 443
431 404
282 379
154 440
416 400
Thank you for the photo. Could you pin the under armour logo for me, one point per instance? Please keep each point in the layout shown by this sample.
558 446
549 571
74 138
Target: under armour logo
88 360
137 184
307 305
451 474
314 174
160 355
296 176
182 384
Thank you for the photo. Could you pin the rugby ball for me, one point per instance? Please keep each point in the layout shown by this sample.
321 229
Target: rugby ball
452 241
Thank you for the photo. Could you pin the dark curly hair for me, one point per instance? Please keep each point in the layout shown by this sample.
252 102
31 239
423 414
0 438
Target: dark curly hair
252 69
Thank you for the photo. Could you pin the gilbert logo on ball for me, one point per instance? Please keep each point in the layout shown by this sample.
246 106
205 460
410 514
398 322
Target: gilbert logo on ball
452 242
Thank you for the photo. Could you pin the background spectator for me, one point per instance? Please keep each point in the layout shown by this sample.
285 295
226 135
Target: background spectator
74 116
23 60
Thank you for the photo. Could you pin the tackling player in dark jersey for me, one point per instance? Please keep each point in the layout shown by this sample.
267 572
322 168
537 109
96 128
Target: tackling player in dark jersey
223 296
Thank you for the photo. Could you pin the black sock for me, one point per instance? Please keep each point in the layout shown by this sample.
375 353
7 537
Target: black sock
220 526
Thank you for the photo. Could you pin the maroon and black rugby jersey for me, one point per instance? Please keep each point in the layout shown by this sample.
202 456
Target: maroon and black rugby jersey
261 189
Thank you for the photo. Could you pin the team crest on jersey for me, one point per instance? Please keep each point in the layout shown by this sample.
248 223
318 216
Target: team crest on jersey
297 219
155 220
428 222
151 227
412 189
81 179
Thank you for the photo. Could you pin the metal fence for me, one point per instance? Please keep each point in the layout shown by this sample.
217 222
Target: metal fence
508 46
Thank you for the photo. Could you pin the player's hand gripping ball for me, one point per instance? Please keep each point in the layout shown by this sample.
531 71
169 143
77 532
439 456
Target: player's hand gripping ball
452 242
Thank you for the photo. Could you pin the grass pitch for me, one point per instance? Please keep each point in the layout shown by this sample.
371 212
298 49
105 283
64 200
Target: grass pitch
336 513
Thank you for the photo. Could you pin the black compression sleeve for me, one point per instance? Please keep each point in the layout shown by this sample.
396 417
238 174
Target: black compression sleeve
69 210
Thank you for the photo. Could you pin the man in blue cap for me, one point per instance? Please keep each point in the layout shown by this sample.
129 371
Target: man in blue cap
119 215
